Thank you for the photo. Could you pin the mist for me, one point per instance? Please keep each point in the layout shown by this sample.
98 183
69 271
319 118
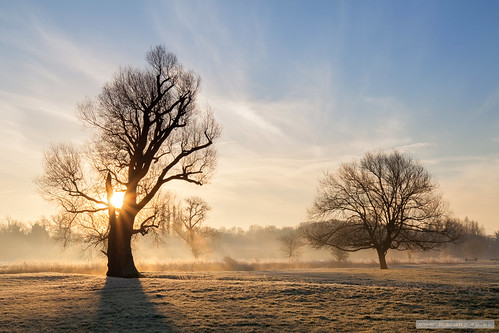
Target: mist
36 246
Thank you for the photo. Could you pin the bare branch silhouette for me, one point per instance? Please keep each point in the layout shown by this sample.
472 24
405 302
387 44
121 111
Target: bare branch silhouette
149 130
385 201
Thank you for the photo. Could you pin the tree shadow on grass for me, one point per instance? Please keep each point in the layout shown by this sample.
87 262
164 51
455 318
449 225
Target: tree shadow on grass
125 307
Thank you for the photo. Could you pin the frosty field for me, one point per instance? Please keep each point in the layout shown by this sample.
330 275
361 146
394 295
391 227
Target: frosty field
342 299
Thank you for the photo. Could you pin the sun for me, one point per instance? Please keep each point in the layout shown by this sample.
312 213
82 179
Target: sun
117 199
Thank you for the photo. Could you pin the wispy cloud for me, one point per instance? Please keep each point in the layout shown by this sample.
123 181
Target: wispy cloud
413 146
205 39
47 49
490 104
251 116
15 101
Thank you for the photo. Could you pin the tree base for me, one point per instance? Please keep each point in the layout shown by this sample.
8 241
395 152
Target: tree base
122 267
129 272
134 275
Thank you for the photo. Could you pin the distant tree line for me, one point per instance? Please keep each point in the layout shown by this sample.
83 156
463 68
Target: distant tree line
42 240
18 240
475 243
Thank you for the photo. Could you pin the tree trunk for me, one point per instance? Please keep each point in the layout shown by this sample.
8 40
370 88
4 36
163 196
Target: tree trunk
119 251
382 258
193 243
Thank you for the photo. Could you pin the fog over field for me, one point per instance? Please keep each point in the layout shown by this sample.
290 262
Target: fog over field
38 248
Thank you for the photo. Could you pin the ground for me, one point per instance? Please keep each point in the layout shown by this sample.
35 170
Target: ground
341 299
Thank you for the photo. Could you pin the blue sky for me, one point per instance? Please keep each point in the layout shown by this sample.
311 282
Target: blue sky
298 86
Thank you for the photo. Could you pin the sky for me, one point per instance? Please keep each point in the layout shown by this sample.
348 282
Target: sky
299 87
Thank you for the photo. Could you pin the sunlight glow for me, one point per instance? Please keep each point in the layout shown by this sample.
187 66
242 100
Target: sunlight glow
117 199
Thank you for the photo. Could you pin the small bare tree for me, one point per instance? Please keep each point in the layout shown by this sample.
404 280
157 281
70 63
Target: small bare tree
291 243
149 131
339 255
188 224
385 201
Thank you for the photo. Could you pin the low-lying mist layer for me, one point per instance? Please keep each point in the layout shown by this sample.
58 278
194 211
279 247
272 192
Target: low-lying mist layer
98 267
38 249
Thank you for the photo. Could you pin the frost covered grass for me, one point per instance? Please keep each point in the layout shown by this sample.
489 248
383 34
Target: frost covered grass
94 267
339 299
226 264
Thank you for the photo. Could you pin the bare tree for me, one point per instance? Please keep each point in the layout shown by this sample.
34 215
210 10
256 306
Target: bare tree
339 255
188 224
385 201
149 131
291 243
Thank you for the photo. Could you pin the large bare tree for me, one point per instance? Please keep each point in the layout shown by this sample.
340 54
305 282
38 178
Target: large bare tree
149 131
385 201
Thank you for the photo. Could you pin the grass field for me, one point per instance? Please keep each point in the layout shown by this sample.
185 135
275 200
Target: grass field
341 299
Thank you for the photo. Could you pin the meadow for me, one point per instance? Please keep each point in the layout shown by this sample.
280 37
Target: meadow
333 299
